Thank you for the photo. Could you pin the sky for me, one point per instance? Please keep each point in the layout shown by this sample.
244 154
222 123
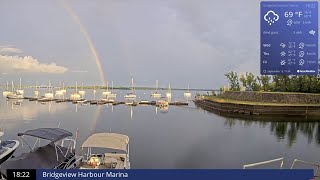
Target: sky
174 41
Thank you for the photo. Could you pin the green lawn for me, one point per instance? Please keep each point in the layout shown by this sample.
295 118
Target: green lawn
224 100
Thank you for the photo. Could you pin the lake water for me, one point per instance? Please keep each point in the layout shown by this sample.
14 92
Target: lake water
182 137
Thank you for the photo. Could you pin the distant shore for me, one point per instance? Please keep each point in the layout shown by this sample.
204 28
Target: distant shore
272 104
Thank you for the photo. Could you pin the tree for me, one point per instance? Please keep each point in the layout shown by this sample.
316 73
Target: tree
233 80
264 82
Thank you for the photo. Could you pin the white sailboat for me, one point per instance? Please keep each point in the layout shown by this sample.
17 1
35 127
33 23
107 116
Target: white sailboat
49 94
156 94
112 94
63 90
75 95
59 92
14 94
20 90
168 93
188 93
36 92
131 95
106 92
6 92
82 92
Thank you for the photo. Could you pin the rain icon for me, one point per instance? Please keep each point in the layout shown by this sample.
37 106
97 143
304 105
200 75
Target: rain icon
271 17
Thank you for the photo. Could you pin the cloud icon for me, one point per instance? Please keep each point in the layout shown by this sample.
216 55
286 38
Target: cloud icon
271 17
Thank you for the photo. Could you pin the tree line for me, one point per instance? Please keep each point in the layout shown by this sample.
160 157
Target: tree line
274 83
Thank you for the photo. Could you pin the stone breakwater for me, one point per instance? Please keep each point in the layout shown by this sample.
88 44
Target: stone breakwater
272 97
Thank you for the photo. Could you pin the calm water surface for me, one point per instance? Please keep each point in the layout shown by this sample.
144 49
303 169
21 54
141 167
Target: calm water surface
182 137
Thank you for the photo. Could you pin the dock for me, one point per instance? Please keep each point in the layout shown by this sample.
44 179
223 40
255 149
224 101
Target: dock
103 102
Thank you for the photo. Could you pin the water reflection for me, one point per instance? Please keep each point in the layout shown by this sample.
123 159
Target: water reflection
172 136
282 129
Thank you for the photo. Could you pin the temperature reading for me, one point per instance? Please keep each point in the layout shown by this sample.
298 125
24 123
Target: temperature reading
290 14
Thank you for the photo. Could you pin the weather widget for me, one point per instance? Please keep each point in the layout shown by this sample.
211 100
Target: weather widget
289 38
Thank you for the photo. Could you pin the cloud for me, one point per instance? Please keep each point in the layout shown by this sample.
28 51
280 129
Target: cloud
79 71
9 49
28 64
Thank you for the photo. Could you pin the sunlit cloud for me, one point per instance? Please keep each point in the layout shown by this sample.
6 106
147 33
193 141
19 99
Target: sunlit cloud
79 71
28 64
9 49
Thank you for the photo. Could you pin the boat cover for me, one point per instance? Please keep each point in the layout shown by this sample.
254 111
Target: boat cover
41 158
51 134
107 140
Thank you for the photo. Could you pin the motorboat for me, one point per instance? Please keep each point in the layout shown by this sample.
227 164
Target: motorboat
50 156
116 151
162 103
7 148
130 96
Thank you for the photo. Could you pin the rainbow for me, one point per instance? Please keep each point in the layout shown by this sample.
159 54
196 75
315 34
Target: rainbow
88 39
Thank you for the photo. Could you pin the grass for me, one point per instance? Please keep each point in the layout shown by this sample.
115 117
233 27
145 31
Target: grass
225 100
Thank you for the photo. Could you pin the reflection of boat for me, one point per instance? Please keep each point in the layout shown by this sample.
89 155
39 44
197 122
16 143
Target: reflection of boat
131 95
117 144
7 148
50 156
281 160
17 103
156 94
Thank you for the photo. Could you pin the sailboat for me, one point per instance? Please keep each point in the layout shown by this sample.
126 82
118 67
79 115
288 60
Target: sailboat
106 92
6 92
131 95
14 94
75 95
63 90
49 94
188 93
112 95
168 93
36 92
59 92
82 92
156 94
20 90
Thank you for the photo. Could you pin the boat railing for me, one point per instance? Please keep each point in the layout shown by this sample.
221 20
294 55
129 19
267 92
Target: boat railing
308 163
265 162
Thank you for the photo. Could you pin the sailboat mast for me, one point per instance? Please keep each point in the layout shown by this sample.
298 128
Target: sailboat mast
12 86
7 85
20 83
156 85
107 85
112 86
76 86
